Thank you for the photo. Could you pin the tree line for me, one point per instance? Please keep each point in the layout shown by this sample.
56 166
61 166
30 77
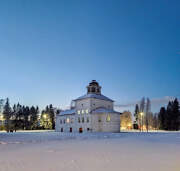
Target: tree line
168 118
20 117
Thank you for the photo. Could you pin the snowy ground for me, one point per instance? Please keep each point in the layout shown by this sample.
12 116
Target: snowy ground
53 151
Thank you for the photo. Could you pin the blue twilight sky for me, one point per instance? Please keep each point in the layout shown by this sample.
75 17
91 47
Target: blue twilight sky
51 49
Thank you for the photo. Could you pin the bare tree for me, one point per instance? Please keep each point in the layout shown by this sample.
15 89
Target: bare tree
142 109
147 116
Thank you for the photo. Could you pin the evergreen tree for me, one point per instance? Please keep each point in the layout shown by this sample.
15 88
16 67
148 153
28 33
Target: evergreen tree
52 115
7 115
175 115
162 118
136 113
33 118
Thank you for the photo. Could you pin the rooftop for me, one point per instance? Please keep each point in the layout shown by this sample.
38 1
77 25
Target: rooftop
68 112
96 96
104 110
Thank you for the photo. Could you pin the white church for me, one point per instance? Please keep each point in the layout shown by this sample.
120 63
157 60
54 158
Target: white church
92 112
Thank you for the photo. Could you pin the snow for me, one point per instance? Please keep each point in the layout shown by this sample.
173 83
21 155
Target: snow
55 151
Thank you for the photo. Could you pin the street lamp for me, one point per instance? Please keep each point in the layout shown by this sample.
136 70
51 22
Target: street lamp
142 120
45 116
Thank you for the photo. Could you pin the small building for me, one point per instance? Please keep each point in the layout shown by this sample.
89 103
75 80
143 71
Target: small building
92 112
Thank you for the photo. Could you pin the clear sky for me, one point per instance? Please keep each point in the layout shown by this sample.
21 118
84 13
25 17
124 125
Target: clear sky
51 49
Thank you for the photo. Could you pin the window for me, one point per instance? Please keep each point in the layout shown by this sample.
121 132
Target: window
72 120
108 119
87 119
79 120
79 112
93 89
82 119
67 120
88 129
87 111
99 120
60 121
82 112
64 121
61 129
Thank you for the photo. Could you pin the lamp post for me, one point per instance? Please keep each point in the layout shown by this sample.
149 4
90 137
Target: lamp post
142 121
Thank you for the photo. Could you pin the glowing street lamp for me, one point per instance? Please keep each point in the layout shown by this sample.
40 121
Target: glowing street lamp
1 117
45 116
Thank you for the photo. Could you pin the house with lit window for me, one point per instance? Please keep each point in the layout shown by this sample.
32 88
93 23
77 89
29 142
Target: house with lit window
92 112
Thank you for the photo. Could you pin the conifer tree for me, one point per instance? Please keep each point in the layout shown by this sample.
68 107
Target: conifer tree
7 115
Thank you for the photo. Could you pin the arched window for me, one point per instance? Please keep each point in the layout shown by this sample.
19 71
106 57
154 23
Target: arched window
93 89
108 119
67 120
79 120
82 119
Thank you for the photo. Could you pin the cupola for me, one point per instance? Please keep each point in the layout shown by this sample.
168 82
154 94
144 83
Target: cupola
93 88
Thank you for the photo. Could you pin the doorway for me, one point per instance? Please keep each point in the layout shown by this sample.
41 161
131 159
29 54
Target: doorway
70 129
80 130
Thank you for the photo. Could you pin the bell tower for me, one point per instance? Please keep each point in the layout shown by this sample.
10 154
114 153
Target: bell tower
93 88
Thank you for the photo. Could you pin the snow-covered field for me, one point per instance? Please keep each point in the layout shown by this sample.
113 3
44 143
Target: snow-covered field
53 151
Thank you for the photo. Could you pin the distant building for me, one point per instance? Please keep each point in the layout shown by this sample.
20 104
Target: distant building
126 121
92 112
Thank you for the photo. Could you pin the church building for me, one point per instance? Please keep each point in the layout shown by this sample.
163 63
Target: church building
92 112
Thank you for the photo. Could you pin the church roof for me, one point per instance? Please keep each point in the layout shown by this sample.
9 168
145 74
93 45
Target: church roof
68 112
93 95
104 110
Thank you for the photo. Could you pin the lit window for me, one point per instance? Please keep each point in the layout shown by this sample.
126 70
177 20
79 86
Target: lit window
67 120
79 112
82 111
108 119
87 111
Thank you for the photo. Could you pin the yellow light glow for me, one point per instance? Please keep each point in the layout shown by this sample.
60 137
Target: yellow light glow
79 112
141 113
82 111
108 119
87 111
67 120
1 117
45 116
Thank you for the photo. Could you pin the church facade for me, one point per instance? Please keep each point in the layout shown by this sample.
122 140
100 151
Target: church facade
92 112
